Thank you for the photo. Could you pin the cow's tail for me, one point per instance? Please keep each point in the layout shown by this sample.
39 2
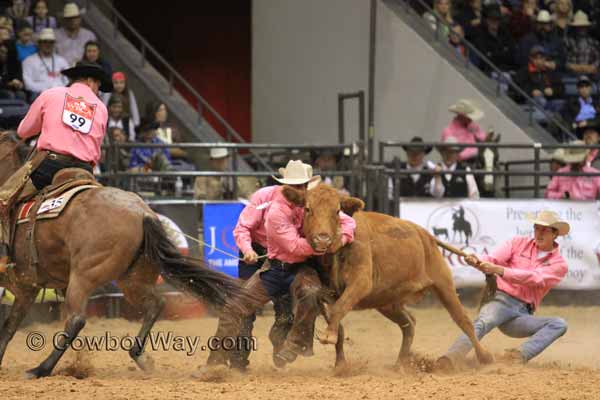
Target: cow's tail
491 285
220 292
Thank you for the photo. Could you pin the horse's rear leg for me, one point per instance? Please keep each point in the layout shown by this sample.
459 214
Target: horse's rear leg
79 290
24 298
406 321
139 290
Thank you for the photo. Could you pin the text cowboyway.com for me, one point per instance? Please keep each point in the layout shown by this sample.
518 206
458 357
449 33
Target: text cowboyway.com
155 341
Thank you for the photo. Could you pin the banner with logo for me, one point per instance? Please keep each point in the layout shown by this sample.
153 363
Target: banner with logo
481 226
218 223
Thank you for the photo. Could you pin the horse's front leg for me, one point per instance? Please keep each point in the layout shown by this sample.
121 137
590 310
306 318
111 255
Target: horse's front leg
24 298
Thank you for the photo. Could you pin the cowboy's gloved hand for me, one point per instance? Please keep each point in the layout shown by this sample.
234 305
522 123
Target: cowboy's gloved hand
472 260
250 257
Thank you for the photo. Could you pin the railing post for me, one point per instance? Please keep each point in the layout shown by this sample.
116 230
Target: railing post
234 161
506 181
536 167
369 182
397 182
353 169
361 116
381 152
341 133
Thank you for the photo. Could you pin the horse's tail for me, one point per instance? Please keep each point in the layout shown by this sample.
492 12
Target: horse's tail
219 291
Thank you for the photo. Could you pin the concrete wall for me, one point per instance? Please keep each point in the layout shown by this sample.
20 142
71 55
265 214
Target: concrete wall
305 52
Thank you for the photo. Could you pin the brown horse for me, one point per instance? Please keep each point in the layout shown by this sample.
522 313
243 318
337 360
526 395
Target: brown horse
105 234
390 263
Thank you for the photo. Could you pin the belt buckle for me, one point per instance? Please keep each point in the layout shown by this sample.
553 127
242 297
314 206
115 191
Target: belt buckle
52 156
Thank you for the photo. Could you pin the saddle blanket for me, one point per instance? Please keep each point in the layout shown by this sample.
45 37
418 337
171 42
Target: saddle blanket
50 208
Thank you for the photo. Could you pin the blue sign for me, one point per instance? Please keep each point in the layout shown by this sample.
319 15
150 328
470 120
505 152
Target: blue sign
218 223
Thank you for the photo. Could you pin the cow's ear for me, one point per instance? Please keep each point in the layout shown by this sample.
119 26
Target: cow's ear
350 205
294 196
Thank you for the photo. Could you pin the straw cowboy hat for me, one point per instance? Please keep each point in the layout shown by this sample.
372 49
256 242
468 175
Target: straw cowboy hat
297 173
551 219
575 155
558 155
580 19
85 69
218 152
71 10
46 35
468 109
544 17
448 145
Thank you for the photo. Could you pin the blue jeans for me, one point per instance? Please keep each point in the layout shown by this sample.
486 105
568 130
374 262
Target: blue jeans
513 318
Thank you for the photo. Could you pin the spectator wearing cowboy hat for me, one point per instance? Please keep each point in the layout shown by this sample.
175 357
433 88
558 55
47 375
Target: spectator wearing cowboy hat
526 269
575 187
546 36
583 53
325 161
452 185
464 128
41 70
71 38
494 41
584 109
557 160
418 184
221 187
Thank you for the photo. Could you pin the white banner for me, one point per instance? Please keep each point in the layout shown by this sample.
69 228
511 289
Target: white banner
481 226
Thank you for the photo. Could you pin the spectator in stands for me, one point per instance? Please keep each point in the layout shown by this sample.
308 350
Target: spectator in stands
11 79
117 135
92 54
538 82
470 17
452 185
579 111
591 137
221 187
18 11
494 41
455 39
24 44
464 128
557 161
130 106
546 36
441 9
575 187
522 21
145 159
583 54
117 119
7 23
39 18
327 160
71 39
156 111
41 70
416 185
563 13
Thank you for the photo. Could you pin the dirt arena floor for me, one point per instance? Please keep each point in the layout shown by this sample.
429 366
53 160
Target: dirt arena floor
568 370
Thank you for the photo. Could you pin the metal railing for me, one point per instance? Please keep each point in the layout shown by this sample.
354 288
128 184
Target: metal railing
173 77
470 49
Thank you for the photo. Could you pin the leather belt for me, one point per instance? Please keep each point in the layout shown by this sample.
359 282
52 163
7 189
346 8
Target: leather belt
285 266
530 306
66 158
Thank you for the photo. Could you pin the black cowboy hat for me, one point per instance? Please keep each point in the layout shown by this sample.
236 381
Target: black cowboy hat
85 69
417 139
336 153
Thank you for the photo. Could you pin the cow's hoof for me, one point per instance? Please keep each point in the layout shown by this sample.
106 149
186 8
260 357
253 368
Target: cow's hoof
329 338
485 357
35 373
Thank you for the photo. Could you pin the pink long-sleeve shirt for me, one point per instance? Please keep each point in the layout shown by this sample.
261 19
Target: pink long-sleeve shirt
251 223
527 277
76 105
283 225
579 187
469 134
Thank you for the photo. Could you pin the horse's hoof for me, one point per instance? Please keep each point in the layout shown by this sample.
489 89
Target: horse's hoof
145 362
329 338
35 373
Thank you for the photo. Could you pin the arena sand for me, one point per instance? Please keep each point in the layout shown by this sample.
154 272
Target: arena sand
568 370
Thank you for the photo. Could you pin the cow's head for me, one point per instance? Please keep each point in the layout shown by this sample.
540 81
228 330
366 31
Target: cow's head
321 213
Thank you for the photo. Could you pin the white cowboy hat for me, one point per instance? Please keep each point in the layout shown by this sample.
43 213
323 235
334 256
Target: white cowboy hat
47 34
575 155
297 173
71 10
544 17
551 219
580 19
468 109
218 152
558 155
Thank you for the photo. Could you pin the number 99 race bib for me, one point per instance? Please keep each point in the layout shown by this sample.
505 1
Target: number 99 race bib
78 114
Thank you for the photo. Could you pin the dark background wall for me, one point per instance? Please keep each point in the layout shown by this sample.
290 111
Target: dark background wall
209 43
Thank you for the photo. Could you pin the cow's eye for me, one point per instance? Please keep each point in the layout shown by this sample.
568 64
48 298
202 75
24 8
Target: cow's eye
307 209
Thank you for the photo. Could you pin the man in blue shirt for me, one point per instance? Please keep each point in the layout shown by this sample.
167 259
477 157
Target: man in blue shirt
145 159
582 110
